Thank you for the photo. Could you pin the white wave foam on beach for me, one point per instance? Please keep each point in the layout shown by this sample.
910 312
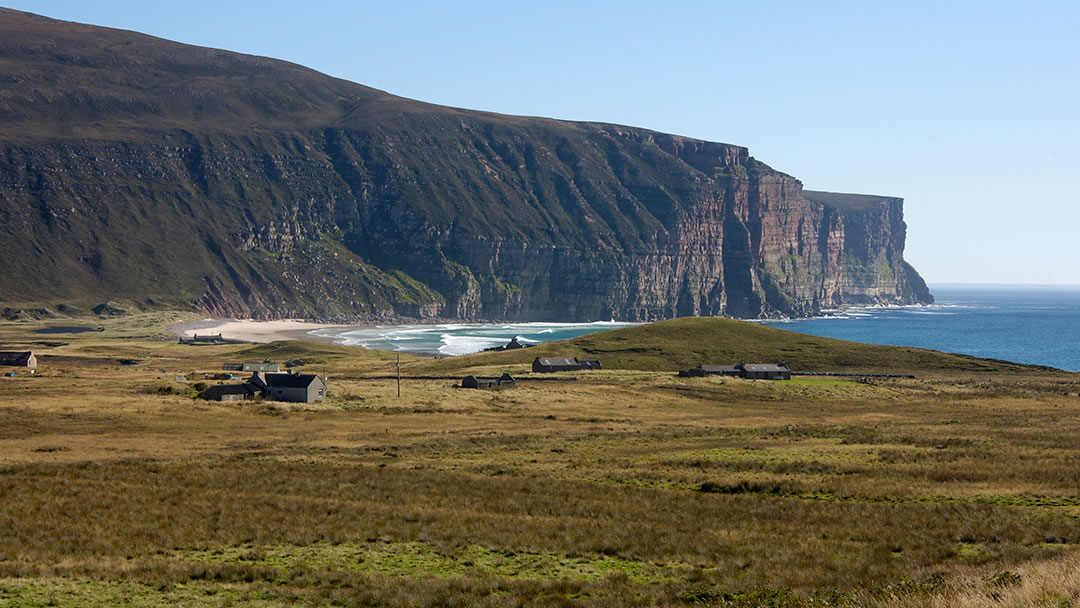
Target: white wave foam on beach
459 338
464 345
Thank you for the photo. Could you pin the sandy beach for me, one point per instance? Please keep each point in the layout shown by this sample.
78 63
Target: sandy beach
256 331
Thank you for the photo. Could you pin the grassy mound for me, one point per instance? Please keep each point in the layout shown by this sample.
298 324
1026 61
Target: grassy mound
681 343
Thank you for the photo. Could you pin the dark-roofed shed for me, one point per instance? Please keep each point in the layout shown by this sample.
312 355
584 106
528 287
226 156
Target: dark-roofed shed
765 371
231 392
556 364
505 381
18 359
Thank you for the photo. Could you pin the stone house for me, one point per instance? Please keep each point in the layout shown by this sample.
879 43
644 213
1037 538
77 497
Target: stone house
18 359
563 364
764 371
298 388
504 381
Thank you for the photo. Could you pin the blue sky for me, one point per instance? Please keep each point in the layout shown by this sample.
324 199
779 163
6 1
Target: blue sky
967 110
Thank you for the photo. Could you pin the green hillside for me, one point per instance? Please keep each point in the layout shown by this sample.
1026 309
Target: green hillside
687 342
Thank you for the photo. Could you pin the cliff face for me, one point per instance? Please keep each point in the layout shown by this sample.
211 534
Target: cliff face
134 168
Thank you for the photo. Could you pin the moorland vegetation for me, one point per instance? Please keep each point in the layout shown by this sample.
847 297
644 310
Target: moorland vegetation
628 486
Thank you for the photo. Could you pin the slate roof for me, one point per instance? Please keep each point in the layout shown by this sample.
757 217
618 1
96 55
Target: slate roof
558 361
290 380
216 391
764 367
15 358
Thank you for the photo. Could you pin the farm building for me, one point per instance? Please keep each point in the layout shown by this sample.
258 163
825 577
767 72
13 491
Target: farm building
206 339
232 392
711 370
491 383
751 371
18 359
265 366
765 371
563 364
299 388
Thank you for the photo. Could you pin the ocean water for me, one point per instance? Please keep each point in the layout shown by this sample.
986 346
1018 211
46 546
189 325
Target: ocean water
1039 325
460 338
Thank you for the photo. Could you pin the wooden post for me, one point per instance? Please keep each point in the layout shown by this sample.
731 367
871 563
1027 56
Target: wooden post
399 375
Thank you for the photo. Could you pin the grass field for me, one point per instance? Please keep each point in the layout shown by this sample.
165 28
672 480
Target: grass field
629 486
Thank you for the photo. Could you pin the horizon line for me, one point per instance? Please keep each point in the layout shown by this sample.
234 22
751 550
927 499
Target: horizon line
985 284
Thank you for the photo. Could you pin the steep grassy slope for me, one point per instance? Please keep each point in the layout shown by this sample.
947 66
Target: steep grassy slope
139 169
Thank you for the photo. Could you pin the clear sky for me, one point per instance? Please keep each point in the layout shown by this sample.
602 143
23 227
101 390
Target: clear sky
970 111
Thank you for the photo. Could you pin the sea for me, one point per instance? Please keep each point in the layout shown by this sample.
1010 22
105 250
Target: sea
1026 324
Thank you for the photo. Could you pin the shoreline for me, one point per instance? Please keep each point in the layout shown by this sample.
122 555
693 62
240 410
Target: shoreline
262 332
258 332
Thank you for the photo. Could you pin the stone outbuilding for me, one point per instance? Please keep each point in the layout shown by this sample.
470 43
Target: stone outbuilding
232 392
765 371
490 383
265 366
750 371
24 358
711 370
563 364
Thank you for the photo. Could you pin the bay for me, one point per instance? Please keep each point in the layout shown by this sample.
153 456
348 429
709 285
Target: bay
1025 324
1035 324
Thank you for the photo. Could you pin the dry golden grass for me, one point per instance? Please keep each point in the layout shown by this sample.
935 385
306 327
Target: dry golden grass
625 487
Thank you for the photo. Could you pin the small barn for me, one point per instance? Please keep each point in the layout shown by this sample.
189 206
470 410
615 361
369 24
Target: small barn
204 339
563 364
299 388
24 358
711 370
232 392
702 370
489 383
764 371
750 371
265 366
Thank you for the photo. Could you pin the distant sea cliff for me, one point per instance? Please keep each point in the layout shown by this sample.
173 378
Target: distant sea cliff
140 170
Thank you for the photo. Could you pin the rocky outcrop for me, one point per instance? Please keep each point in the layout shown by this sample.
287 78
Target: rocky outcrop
138 170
